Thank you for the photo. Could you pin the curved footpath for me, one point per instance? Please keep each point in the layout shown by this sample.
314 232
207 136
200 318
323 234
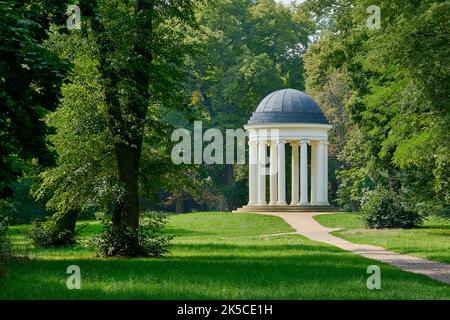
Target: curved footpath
304 224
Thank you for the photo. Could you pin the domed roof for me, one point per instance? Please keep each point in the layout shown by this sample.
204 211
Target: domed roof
288 106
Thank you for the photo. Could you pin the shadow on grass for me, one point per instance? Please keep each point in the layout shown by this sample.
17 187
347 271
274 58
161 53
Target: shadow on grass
177 232
433 227
269 271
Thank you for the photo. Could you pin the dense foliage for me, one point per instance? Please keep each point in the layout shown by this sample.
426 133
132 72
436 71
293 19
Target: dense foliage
148 240
22 207
31 77
387 93
382 208
49 234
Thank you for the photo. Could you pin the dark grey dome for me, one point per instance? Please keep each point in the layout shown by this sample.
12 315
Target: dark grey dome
288 106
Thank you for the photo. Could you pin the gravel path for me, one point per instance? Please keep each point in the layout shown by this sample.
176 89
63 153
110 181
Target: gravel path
304 224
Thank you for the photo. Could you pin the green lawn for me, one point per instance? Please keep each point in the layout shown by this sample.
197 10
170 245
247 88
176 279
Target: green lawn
431 240
215 256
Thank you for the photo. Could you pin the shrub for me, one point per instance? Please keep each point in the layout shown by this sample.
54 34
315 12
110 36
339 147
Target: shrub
5 245
47 234
382 208
148 240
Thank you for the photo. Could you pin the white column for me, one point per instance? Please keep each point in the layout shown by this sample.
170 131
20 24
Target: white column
313 172
273 173
320 174
294 174
281 174
304 173
262 154
252 172
325 172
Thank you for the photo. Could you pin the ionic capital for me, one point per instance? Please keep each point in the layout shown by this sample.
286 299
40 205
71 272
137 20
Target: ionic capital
302 142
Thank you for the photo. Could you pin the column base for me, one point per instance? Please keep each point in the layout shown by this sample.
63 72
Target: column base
296 203
252 203
304 203
261 204
285 208
272 203
281 203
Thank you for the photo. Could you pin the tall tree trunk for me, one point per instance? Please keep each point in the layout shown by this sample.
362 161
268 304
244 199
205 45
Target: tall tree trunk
128 154
128 164
127 119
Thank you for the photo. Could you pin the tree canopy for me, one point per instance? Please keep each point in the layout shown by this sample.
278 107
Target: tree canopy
394 92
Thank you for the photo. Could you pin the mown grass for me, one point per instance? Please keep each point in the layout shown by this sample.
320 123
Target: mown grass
431 240
214 256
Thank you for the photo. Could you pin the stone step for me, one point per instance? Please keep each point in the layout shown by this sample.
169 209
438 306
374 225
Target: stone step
288 209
